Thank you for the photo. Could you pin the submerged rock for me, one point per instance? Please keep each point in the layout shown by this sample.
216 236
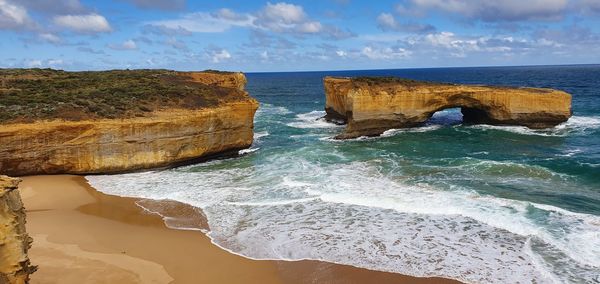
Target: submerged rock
15 266
370 106
184 117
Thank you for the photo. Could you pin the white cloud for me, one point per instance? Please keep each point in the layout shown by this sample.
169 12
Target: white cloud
206 22
341 53
593 5
264 55
55 62
385 53
13 16
229 14
309 27
90 23
387 22
51 38
177 44
217 55
126 45
34 63
278 18
159 4
287 18
491 10
129 44
54 7
282 14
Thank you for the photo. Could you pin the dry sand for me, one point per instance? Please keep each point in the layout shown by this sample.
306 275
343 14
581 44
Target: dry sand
84 236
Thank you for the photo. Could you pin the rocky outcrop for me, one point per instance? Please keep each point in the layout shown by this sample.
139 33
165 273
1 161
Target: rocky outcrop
164 138
111 146
370 106
235 80
15 267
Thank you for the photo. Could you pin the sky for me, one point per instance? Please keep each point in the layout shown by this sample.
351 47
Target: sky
259 36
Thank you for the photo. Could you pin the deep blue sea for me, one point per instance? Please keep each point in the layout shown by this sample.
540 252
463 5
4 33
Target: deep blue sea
477 203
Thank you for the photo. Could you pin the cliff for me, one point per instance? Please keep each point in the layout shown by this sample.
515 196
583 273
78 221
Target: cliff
15 267
370 106
187 116
235 80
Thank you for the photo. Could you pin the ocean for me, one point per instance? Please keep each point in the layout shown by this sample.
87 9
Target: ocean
476 203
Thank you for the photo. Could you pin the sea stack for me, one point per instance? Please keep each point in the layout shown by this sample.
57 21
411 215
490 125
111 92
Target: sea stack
15 266
54 122
371 105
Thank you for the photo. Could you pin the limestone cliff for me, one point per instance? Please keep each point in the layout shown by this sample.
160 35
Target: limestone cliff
163 137
371 106
235 80
15 267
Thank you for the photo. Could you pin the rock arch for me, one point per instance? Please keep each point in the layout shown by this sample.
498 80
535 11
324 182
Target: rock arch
369 106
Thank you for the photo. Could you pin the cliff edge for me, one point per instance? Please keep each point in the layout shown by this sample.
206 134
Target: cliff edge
15 267
118 121
371 105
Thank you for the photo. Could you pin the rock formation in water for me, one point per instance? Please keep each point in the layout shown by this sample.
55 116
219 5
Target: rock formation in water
15 267
370 106
115 126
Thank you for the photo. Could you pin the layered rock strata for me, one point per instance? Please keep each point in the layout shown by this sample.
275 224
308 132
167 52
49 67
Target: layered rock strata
15 266
162 138
235 80
370 106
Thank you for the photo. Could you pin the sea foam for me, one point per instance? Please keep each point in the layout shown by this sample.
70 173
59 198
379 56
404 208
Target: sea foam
358 215
313 119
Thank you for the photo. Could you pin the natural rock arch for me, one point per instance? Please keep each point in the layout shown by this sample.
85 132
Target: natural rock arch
370 106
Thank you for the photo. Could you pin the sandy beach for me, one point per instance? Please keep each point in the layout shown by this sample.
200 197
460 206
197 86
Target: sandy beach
84 236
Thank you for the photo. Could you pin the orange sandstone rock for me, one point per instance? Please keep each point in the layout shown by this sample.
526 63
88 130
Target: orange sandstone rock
163 138
15 267
371 106
120 145
235 80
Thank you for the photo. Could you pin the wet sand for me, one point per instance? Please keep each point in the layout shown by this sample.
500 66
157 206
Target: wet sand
84 236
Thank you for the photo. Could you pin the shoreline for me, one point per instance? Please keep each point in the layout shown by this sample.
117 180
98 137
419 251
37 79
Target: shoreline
84 236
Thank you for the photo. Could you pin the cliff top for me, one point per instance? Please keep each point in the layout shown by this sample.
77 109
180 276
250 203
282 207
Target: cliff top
27 95
389 82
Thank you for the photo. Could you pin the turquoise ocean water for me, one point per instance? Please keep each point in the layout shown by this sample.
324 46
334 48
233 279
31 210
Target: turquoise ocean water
479 203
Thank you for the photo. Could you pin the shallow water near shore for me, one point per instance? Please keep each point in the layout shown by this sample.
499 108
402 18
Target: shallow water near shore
476 203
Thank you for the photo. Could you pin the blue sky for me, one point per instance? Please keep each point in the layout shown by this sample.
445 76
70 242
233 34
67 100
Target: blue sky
296 35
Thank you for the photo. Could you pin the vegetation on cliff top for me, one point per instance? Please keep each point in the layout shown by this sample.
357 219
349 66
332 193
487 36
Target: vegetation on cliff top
33 94
391 80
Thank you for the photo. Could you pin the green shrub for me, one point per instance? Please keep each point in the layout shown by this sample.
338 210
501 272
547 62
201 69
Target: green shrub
31 94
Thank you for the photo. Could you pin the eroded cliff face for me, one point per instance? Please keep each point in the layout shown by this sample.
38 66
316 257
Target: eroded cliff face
110 146
15 267
235 80
164 138
371 106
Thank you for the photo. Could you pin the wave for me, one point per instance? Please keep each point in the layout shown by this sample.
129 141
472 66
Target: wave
313 119
258 135
247 151
426 128
355 214
385 134
269 109
576 125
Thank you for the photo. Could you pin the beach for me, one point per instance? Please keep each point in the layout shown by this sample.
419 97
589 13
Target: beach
84 236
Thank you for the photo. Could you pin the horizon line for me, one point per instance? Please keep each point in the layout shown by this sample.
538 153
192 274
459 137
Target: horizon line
314 71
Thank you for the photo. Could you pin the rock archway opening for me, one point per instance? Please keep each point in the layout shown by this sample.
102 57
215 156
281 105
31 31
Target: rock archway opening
448 116
459 115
